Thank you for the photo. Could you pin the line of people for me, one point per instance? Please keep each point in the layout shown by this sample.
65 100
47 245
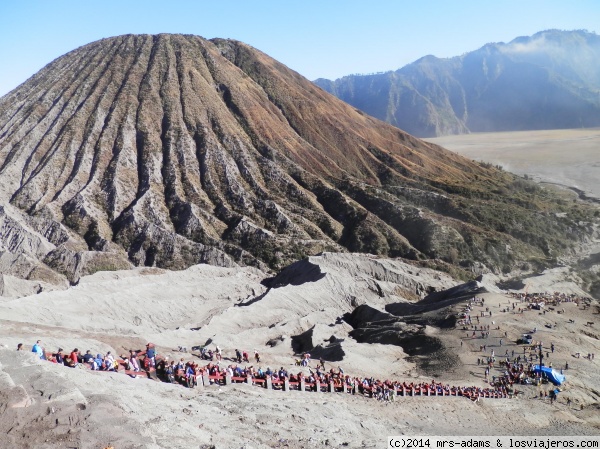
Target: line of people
98 362
187 373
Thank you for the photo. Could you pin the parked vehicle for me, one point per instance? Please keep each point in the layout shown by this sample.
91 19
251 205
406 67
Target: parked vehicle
525 339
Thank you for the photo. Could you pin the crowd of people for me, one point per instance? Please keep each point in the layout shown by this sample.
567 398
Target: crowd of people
515 369
98 362
190 373
187 373
553 299
241 356
210 365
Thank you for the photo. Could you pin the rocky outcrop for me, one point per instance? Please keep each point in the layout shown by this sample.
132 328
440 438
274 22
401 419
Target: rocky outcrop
40 254
427 351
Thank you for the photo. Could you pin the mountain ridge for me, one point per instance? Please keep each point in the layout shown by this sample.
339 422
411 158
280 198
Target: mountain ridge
545 81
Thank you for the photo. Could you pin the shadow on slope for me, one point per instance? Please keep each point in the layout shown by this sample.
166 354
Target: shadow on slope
298 273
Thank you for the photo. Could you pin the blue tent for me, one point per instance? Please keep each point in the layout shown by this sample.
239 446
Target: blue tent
553 376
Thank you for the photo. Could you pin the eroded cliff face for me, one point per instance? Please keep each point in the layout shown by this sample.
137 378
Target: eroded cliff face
172 150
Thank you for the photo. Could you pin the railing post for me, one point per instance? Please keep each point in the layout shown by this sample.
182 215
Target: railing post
331 386
205 379
286 384
249 379
302 384
269 383
317 386
227 379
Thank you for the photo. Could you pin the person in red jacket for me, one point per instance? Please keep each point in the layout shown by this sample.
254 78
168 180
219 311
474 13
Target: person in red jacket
74 358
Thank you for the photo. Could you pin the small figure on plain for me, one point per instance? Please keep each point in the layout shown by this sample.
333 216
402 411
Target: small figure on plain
74 358
59 357
88 357
37 348
109 362
98 363
133 362
151 354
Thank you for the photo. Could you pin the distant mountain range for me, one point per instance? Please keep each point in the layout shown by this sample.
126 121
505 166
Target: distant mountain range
550 80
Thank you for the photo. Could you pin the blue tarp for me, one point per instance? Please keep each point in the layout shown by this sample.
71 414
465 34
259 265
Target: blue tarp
553 376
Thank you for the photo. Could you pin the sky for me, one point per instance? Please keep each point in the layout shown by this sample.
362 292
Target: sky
318 39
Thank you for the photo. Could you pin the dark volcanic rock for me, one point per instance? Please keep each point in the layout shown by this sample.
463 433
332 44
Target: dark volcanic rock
416 326
331 352
408 332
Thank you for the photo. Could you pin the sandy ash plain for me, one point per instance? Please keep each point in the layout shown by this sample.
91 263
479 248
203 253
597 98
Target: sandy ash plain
43 405
565 156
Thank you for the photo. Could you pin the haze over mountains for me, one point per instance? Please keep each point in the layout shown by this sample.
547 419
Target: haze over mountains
550 80
173 150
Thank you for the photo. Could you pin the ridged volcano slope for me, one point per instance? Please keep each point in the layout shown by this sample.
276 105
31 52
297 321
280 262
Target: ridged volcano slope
179 150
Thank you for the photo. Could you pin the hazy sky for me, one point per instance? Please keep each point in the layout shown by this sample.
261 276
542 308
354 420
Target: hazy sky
327 39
